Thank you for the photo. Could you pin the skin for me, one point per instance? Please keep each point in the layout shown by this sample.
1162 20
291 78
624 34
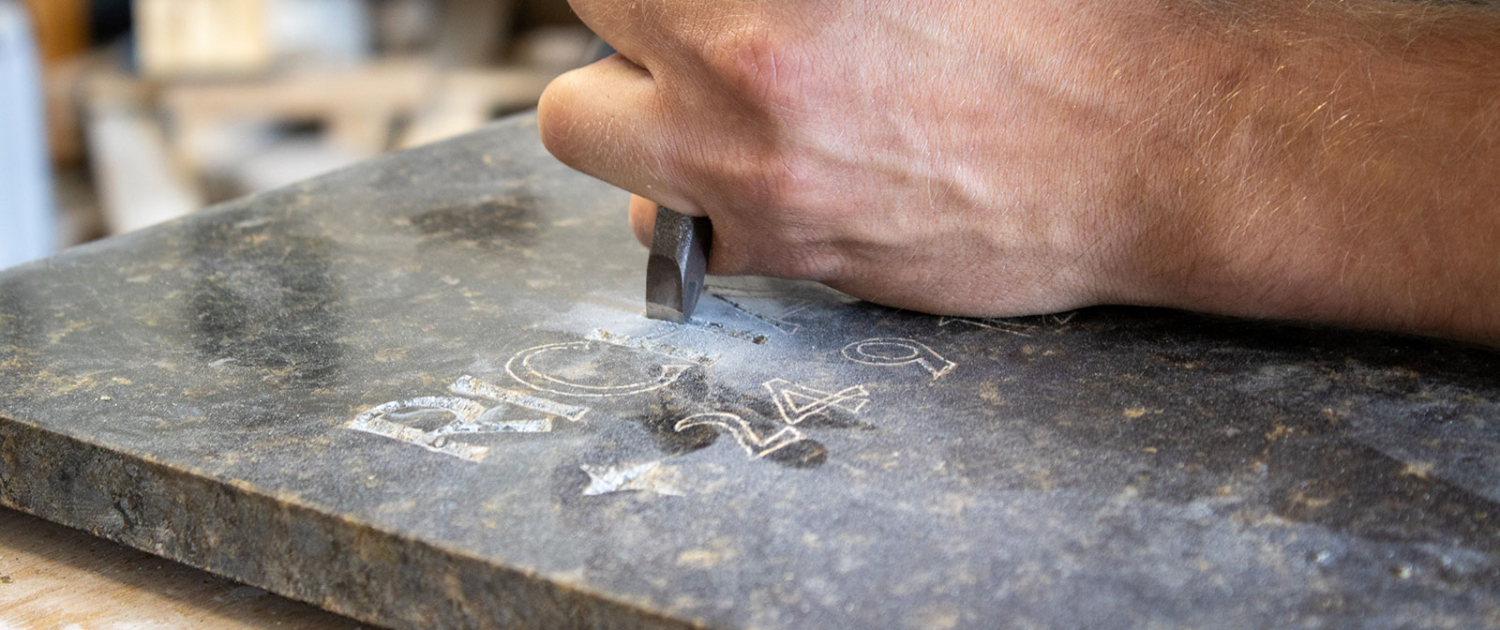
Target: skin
1326 161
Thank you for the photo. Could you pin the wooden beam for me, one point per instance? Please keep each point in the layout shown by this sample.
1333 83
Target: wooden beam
202 37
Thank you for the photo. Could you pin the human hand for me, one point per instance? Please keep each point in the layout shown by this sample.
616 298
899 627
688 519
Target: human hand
980 158
1011 157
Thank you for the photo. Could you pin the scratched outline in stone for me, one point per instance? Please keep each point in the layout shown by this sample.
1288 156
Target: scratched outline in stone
913 352
1006 325
778 321
519 367
654 344
987 323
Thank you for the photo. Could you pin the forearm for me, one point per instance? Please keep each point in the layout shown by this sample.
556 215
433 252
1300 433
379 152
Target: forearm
1357 178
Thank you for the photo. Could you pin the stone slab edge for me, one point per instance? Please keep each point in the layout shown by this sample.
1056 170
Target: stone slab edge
302 553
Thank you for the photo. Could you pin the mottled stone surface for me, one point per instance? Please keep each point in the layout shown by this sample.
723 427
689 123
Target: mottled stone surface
422 392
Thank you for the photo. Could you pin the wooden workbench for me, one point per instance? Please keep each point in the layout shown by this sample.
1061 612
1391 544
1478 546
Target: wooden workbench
55 577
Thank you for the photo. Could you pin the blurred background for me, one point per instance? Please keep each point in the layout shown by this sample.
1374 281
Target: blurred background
119 114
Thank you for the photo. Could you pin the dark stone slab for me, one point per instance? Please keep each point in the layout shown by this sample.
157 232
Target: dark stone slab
422 392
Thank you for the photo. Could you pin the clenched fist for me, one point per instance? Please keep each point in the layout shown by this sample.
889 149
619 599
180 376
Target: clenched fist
1330 161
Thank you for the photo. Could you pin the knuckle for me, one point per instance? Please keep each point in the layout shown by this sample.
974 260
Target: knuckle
758 62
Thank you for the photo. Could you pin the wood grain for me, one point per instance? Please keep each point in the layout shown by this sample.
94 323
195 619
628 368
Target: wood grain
55 577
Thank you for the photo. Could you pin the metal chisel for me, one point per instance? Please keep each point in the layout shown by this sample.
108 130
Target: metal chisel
679 259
